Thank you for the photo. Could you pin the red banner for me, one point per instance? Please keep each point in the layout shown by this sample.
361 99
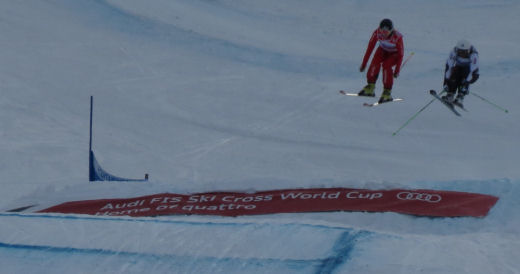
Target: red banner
415 202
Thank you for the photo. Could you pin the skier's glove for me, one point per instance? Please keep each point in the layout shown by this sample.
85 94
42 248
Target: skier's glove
464 87
474 78
362 68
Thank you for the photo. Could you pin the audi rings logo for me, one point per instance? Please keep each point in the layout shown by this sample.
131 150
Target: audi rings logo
414 196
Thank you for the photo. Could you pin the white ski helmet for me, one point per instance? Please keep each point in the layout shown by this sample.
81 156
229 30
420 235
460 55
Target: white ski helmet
463 48
463 45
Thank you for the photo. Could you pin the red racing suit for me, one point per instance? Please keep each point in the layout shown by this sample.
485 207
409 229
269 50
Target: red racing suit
389 54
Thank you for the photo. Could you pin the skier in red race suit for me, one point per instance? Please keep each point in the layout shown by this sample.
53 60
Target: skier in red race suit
389 54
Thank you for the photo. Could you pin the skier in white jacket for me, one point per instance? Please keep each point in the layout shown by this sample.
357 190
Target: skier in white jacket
461 71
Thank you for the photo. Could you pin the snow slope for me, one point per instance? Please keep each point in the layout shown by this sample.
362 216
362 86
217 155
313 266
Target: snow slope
209 95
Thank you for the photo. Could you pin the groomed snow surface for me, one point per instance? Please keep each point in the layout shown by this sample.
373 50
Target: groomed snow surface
226 95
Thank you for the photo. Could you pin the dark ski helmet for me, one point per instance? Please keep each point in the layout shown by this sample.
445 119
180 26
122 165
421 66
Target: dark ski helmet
386 24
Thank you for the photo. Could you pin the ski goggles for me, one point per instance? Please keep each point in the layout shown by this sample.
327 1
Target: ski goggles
463 52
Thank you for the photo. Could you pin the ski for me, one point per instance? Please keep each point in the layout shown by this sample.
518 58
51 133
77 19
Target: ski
448 105
350 94
369 104
377 103
459 105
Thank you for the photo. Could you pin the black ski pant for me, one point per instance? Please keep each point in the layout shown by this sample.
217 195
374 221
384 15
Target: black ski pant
457 80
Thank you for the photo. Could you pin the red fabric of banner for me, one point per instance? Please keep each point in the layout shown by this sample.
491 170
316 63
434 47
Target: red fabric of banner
419 202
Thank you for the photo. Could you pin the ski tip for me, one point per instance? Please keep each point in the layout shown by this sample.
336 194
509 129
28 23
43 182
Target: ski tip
348 93
377 103
433 91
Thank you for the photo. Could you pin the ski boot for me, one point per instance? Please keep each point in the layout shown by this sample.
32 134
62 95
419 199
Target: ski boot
448 98
368 90
386 96
459 101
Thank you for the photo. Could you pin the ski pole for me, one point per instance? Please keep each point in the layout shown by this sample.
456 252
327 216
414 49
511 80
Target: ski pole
408 58
491 103
415 115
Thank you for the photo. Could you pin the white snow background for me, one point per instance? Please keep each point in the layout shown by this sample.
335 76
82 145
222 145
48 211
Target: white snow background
213 95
